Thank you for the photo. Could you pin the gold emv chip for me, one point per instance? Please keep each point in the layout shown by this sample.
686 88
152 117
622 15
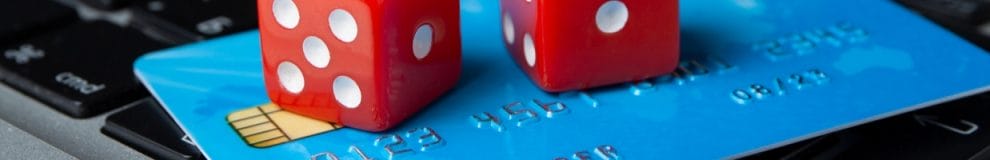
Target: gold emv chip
268 125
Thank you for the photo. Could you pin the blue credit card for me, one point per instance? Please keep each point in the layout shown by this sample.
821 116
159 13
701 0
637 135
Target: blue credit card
754 74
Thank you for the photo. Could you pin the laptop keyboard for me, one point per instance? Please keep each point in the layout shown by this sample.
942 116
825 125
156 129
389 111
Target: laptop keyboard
62 68
83 67
78 60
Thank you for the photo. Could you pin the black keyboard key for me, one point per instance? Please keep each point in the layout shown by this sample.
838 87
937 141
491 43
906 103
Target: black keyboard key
23 17
968 11
81 70
106 4
147 128
954 130
208 18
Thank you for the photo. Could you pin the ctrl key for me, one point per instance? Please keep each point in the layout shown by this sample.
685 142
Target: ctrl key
82 69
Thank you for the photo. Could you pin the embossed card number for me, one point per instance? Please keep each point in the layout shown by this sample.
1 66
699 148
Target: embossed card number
393 145
603 152
780 86
519 114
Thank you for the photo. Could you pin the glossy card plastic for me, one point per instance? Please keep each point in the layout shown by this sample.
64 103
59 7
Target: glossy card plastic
753 75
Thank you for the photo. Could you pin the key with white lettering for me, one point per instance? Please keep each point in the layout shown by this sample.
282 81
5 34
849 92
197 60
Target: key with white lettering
207 18
81 70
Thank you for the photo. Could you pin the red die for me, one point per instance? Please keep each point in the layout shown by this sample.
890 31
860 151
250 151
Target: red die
576 44
366 64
